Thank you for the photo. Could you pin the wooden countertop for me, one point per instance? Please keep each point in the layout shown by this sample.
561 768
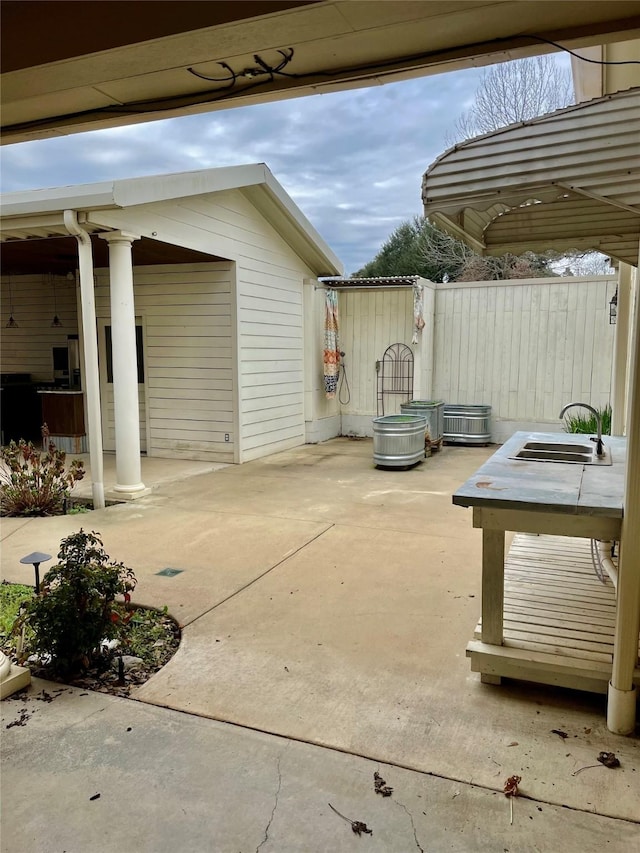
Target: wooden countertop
566 488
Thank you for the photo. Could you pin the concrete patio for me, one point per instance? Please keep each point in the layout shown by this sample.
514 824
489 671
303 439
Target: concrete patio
326 608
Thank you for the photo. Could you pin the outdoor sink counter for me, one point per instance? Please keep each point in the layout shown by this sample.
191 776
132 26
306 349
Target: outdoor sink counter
545 631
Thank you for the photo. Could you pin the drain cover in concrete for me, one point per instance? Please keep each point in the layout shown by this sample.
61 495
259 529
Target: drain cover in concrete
170 573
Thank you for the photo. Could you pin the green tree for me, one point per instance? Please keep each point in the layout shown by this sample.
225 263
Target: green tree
398 255
405 252
417 247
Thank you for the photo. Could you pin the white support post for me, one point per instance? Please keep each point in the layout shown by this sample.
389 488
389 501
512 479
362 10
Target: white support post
91 379
124 359
621 351
621 708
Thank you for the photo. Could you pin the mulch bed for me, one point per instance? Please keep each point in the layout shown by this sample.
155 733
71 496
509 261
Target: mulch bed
116 676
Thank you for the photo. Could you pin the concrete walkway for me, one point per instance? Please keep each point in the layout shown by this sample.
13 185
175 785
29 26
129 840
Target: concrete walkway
326 607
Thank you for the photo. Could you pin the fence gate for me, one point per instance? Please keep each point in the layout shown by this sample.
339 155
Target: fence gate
395 375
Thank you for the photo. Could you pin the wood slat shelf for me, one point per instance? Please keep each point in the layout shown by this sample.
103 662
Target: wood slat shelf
558 617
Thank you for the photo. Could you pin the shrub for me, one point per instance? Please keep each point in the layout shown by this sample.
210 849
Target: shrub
76 609
33 482
587 424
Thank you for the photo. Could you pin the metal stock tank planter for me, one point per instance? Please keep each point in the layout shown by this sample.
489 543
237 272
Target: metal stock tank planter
433 412
398 440
467 424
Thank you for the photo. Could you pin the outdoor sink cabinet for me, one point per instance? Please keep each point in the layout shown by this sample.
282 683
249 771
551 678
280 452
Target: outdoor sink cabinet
555 624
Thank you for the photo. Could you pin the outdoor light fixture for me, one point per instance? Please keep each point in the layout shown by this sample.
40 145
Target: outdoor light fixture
11 322
35 559
613 308
56 323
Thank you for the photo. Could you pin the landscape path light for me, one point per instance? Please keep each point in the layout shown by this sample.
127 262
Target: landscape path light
35 559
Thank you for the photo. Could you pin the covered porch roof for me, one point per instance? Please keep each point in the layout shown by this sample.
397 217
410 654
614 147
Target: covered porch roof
118 63
37 216
569 179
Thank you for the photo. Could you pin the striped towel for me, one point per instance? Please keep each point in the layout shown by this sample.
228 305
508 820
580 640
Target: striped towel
331 360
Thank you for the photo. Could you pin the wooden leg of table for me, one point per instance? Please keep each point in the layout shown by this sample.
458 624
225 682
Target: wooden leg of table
486 678
492 586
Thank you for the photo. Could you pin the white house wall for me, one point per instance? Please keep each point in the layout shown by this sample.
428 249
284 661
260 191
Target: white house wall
187 407
269 320
525 347
28 348
271 358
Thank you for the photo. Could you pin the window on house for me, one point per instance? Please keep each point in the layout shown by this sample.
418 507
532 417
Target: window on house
139 354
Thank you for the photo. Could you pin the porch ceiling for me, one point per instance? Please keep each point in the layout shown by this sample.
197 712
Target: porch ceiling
123 62
60 254
570 179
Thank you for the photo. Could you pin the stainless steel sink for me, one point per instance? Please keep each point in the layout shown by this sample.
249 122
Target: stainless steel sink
587 447
577 454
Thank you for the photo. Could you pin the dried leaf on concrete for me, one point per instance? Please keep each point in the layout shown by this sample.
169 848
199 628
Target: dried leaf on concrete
511 790
511 786
357 826
381 786
609 759
606 759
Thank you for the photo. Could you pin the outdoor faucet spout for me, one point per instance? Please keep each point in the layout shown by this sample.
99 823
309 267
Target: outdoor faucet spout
596 414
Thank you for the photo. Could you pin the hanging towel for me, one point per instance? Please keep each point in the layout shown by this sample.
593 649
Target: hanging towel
331 359
418 319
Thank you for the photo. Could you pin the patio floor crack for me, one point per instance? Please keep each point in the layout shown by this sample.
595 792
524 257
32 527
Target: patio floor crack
413 826
273 810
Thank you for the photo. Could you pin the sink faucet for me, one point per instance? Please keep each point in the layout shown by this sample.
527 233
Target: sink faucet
596 414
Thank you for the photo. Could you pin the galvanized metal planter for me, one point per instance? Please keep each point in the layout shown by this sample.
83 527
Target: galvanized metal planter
432 410
467 424
398 440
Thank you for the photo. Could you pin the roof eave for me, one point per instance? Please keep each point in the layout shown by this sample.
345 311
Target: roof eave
131 192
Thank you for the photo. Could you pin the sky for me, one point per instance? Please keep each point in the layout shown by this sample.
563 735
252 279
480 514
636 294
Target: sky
352 161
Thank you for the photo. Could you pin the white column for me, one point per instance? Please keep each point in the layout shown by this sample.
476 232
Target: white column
621 351
621 707
124 359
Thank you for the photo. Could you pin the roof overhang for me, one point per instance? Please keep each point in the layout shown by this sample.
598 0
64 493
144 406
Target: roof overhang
569 179
39 214
120 62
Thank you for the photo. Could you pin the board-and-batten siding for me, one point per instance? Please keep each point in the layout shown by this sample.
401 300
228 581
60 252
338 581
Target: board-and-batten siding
189 378
29 347
524 347
370 321
269 320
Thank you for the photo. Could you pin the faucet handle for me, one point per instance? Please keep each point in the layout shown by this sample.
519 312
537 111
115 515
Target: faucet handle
599 445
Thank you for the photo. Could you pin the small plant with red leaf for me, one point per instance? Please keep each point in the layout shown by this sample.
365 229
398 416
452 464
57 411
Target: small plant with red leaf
33 482
77 608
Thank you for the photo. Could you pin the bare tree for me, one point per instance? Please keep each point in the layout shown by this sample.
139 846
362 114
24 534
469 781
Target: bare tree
509 93
581 263
514 91
455 261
